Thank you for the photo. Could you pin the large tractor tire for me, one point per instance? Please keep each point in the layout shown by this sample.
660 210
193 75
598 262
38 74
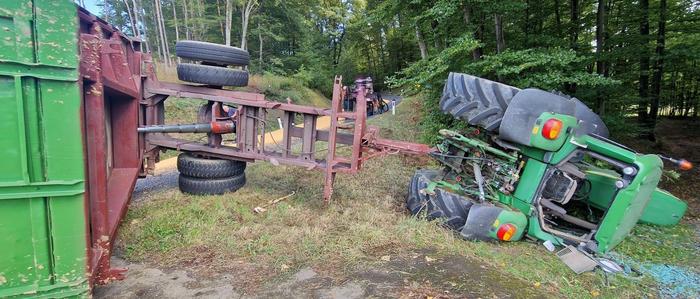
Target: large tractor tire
450 208
200 186
478 101
211 75
203 168
212 53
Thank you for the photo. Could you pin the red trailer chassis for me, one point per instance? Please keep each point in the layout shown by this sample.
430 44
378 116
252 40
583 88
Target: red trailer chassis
122 93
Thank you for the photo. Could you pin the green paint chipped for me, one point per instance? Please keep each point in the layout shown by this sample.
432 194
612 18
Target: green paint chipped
42 210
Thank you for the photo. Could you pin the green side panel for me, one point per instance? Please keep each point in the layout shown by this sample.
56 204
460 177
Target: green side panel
538 141
664 209
530 179
513 217
42 204
629 203
602 187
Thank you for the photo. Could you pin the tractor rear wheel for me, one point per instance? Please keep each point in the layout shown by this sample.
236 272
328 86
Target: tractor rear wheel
452 209
478 101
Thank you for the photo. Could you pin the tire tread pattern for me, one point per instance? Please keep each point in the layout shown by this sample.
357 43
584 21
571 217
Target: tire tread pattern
211 75
200 186
478 101
196 167
212 53
452 209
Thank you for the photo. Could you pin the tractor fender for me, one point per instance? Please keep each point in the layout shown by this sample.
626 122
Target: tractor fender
486 222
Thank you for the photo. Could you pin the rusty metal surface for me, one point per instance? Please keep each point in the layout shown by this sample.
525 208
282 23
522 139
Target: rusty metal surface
110 69
298 145
121 90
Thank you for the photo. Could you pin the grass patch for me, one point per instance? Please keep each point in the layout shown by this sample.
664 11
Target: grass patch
367 220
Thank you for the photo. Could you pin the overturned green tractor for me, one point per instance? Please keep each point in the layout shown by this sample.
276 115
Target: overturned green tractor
537 164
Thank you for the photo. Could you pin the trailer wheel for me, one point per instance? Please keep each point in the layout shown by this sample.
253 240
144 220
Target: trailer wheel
478 101
200 186
212 53
211 75
197 167
452 209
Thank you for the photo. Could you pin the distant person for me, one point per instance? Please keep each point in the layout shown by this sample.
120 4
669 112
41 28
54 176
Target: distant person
230 111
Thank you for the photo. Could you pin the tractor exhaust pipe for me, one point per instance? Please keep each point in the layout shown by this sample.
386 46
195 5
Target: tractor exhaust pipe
217 127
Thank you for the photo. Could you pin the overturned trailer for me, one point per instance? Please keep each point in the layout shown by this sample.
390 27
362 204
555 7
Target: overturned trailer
76 90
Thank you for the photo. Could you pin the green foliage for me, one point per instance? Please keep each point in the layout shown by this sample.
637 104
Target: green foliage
548 69
430 73
544 46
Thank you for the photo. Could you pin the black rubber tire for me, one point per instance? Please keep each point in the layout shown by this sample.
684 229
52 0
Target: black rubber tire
213 53
199 186
452 209
478 101
203 168
211 75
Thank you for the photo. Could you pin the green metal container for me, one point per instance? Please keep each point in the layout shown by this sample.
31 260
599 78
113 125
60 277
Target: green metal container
43 245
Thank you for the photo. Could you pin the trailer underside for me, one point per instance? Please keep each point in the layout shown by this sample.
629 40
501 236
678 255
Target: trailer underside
122 93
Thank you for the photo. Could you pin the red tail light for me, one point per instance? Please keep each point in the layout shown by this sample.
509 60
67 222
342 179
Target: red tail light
551 129
505 232
685 165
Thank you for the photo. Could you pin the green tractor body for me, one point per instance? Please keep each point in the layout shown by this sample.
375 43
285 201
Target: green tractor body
547 172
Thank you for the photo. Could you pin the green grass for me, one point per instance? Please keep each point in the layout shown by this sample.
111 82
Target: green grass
366 220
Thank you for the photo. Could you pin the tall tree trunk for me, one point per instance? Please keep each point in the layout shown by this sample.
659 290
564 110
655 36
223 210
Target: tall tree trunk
557 16
600 47
165 33
137 17
500 39
177 26
250 5
187 19
574 26
526 28
260 47
161 33
467 15
644 61
132 22
228 21
138 9
658 65
105 11
421 43
218 12
436 35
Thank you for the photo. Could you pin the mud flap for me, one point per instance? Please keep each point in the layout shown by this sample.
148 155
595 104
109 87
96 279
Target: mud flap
479 222
485 222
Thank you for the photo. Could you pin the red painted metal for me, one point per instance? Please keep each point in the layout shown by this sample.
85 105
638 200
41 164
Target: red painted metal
110 69
122 93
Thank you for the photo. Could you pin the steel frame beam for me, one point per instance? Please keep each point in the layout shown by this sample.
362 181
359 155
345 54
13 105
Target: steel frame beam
251 143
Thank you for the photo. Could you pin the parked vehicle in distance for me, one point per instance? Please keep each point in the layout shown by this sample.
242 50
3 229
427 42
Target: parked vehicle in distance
375 103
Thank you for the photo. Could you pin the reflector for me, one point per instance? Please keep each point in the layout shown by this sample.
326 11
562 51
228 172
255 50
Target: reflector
552 128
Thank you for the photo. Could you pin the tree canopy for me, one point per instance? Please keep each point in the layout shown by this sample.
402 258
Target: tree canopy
626 59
